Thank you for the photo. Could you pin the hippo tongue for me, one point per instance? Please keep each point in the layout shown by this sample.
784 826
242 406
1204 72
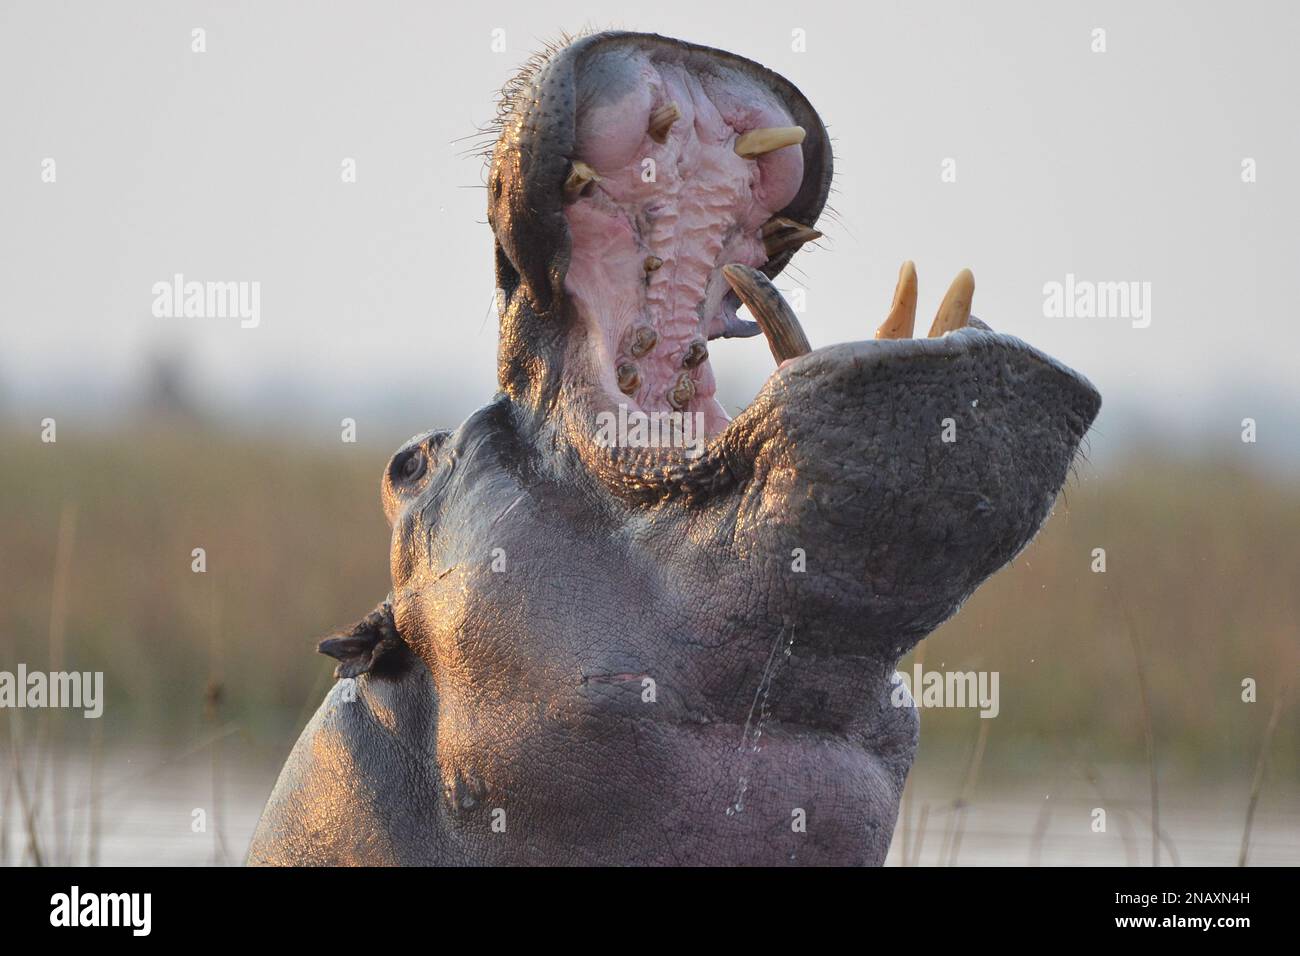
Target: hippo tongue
678 172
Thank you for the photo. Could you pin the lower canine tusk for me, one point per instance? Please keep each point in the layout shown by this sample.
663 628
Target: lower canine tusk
785 336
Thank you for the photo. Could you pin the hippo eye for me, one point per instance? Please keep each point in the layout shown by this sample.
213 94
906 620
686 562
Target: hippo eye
412 467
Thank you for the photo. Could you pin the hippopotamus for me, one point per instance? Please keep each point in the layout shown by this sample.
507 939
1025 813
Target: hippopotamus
624 626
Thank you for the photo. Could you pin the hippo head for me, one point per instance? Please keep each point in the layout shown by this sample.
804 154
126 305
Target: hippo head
656 633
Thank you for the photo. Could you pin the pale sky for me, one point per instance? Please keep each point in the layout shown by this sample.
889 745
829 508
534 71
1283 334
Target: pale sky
1123 165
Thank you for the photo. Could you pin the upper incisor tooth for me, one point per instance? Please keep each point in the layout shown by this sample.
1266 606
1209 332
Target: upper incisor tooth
759 141
662 120
902 314
954 311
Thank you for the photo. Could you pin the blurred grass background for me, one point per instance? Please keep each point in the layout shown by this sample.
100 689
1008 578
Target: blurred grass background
1200 559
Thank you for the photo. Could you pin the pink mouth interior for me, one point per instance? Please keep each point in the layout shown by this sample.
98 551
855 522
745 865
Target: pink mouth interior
691 202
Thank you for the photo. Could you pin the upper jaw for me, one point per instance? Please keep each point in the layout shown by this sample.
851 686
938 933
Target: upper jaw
541 185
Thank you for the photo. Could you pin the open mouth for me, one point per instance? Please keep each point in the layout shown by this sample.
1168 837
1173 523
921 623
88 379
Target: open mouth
642 189
675 200
630 171
677 175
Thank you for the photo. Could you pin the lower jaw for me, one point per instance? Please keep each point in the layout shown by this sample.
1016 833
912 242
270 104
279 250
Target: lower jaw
718 794
701 796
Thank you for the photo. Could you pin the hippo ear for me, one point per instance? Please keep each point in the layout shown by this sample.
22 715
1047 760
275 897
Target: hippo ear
370 646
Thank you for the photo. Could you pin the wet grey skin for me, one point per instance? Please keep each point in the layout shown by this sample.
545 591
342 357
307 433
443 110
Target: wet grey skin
598 655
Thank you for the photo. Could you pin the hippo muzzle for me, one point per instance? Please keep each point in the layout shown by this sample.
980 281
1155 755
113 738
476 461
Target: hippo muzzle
626 627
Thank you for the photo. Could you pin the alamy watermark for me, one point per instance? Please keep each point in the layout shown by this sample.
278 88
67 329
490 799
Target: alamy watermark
179 299
924 688
37 689
130 910
636 429
1085 299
